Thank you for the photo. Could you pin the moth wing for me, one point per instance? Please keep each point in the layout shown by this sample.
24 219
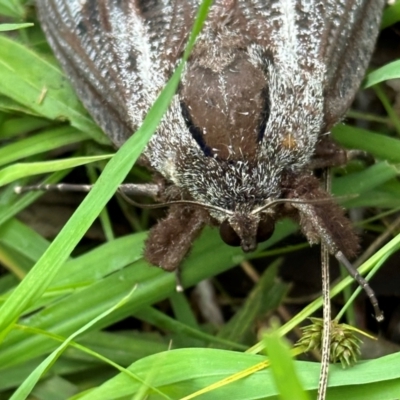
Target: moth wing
340 33
117 54
347 44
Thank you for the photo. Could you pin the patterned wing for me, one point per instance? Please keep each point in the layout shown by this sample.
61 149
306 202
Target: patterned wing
117 53
339 33
349 37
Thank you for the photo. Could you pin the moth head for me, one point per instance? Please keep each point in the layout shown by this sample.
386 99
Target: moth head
247 230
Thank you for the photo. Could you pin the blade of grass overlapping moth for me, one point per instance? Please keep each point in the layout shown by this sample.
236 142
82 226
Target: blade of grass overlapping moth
11 210
264 297
388 71
380 146
25 86
24 390
14 27
40 143
389 249
209 257
114 173
22 170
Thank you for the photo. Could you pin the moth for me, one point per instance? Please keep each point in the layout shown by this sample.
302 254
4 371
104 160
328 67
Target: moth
265 83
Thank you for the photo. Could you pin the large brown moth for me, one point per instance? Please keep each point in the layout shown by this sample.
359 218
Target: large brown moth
265 83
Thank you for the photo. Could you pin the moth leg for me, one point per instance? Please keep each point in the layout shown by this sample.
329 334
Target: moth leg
329 154
325 222
361 155
362 282
171 239
142 189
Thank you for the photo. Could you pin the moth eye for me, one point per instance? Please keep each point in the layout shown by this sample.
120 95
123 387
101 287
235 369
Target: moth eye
265 229
228 235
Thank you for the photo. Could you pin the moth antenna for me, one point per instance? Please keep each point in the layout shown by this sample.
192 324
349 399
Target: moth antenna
58 187
363 284
302 201
141 189
170 203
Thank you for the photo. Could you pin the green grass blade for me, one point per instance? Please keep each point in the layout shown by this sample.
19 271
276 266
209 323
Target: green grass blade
265 297
388 71
27 85
23 170
40 143
12 8
14 27
27 386
187 370
391 15
380 146
283 368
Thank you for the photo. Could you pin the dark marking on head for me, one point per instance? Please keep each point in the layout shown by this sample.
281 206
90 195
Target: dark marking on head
265 114
195 131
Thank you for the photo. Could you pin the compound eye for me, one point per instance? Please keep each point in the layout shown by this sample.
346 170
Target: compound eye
265 228
228 234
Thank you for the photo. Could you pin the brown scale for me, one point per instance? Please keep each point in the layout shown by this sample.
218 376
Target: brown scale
229 115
